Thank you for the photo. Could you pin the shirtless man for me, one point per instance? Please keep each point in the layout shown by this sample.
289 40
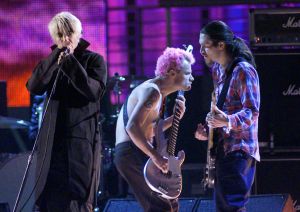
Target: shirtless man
137 120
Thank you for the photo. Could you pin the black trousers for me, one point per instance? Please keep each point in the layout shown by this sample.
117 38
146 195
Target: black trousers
58 199
56 196
130 162
234 177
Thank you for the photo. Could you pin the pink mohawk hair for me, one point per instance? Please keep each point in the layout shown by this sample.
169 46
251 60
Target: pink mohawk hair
172 58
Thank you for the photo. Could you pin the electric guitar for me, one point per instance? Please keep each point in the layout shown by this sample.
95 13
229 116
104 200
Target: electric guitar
168 185
209 173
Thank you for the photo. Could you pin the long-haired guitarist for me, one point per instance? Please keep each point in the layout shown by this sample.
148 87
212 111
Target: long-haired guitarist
235 117
137 121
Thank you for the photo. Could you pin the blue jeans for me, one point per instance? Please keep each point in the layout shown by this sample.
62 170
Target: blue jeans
234 178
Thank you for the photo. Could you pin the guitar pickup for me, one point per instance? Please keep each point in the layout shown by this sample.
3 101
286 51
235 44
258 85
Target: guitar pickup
162 190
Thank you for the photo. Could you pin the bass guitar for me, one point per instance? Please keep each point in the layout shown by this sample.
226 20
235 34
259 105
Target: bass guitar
209 173
168 185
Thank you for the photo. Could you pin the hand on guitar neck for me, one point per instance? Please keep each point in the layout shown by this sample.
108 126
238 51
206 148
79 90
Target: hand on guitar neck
217 118
180 104
214 119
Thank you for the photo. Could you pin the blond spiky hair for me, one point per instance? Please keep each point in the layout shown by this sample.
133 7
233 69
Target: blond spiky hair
63 24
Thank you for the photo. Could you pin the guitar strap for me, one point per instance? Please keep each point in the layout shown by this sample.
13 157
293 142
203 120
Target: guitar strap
225 88
125 114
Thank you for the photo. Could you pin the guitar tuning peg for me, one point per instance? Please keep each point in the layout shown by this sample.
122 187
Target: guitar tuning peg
188 48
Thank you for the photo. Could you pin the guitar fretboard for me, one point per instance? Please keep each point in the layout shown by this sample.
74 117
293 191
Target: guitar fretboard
174 129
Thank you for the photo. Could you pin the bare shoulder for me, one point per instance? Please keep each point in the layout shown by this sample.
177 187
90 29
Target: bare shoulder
148 95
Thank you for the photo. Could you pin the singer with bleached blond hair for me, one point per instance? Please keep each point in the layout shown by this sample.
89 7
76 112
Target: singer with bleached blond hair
68 143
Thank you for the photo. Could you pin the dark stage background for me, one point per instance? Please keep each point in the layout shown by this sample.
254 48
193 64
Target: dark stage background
131 34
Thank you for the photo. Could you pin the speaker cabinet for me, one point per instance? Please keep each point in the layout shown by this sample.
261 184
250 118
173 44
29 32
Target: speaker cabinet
192 175
4 207
14 139
259 203
11 174
130 205
278 175
126 205
279 75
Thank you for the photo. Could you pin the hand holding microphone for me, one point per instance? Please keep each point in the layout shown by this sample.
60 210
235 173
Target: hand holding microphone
63 55
69 49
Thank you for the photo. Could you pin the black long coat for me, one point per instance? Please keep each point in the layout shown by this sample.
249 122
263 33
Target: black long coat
68 150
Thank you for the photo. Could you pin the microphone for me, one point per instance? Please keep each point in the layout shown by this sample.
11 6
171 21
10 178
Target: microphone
66 51
63 55
180 93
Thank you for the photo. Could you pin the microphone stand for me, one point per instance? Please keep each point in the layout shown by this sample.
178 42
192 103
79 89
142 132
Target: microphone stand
30 158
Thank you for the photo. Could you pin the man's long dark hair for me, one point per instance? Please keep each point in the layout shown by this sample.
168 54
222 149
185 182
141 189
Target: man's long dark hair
235 46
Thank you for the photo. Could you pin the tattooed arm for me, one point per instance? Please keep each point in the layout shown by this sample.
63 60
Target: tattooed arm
147 102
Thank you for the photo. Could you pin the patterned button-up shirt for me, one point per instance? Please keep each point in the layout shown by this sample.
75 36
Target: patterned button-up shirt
242 107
